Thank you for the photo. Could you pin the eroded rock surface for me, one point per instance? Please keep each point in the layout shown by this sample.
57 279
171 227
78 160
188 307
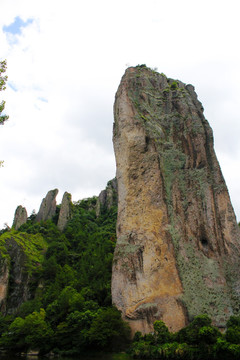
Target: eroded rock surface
48 206
177 252
14 279
20 217
65 211
4 278
107 197
21 258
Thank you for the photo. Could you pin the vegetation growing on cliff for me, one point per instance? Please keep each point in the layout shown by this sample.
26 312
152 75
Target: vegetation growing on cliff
199 340
33 245
70 307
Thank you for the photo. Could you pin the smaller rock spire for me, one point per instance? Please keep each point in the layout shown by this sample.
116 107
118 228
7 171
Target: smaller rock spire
65 211
20 217
107 197
48 206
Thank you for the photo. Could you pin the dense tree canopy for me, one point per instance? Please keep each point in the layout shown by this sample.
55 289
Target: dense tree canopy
200 340
70 309
71 303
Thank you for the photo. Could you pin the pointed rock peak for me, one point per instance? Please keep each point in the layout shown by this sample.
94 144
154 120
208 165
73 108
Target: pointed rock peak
108 197
65 211
178 251
20 217
48 206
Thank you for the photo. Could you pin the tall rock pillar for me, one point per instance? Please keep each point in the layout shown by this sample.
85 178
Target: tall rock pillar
65 211
48 206
177 251
20 217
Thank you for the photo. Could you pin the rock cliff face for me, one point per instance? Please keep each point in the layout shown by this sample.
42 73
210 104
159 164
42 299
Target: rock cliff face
107 197
16 285
65 211
48 206
20 217
20 257
4 278
177 252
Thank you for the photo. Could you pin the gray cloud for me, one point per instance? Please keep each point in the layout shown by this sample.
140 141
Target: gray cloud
66 67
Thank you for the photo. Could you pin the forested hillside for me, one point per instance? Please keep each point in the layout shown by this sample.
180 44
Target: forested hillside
69 280
66 277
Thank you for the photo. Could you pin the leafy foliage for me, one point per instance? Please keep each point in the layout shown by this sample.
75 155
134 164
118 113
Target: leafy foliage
199 340
70 310
3 80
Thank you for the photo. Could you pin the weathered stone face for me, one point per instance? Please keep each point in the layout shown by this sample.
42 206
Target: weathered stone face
65 211
107 197
178 241
48 206
14 289
20 217
4 278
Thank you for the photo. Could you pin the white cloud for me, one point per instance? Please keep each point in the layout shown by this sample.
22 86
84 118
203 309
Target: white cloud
66 66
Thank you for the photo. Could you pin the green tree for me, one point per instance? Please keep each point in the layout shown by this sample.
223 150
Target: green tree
38 333
232 334
108 331
33 332
3 80
208 334
233 321
196 330
14 337
71 336
161 332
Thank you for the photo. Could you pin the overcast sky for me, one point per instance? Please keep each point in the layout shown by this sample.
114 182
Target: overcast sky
65 61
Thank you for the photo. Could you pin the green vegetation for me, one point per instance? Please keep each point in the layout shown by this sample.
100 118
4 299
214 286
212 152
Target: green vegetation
199 340
3 80
33 246
70 309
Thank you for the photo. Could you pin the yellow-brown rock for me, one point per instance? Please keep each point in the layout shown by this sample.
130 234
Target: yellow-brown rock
177 252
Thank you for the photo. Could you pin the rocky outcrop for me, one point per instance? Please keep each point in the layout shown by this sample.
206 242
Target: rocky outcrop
20 217
48 206
177 252
65 211
4 278
107 198
21 257
18 283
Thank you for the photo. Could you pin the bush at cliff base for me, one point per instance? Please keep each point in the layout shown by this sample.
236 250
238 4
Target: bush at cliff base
199 340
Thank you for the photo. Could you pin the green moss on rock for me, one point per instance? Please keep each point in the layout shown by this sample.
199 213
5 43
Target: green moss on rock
33 247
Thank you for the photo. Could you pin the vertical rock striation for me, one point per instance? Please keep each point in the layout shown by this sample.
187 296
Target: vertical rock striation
107 198
65 211
177 252
20 217
48 206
